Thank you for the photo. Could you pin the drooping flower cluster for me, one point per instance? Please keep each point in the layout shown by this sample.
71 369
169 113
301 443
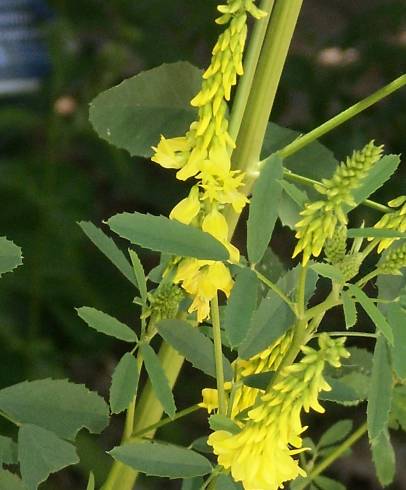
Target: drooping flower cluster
321 218
393 261
245 396
261 455
395 220
204 153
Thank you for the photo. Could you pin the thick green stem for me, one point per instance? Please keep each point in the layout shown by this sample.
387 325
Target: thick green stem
344 116
218 355
250 66
334 455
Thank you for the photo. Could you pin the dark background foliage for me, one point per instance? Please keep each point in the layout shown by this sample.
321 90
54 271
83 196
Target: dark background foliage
54 171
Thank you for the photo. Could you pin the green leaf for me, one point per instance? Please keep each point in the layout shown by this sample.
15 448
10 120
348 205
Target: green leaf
104 323
192 483
10 481
10 256
383 457
397 320
336 433
193 345
41 453
314 160
264 329
381 172
225 482
169 236
347 390
8 451
140 275
329 271
56 405
156 459
288 282
398 408
263 210
240 306
291 203
380 391
91 483
158 379
221 422
124 383
374 233
133 114
350 309
300 483
259 381
372 311
298 196
107 246
200 445
328 484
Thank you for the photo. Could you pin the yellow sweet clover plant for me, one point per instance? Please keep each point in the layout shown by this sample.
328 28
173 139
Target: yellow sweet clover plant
266 342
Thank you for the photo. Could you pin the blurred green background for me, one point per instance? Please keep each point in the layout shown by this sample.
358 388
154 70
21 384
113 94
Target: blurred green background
54 171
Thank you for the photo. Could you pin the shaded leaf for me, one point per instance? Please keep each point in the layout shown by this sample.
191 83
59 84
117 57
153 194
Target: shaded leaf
291 203
335 433
91 483
162 234
372 311
8 451
328 484
225 482
104 323
240 306
192 483
10 481
133 114
156 459
158 379
260 381
329 271
263 210
139 274
350 309
200 445
346 390
380 391
397 320
124 383
193 345
57 405
383 457
41 453
107 246
221 422
10 256
398 408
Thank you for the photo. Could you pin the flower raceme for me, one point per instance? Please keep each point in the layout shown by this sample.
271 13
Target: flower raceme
395 220
321 218
204 153
261 455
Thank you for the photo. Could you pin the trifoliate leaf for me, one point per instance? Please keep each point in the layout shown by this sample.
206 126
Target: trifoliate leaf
397 320
166 460
57 405
41 453
335 433
104 323
383 457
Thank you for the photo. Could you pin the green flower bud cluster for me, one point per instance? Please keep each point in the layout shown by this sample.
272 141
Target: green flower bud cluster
335 247
164 302
320 218
350 265
393 261
395 220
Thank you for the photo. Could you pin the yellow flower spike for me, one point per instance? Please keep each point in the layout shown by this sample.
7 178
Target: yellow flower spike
187 209
216 224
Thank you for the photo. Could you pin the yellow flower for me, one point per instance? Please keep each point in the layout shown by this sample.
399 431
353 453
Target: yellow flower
170 153
261 454
187 209
216 224
202 279
395 220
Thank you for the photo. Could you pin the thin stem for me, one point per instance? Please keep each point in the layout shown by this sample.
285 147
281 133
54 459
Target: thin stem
166 421
326 305
334 455
311 182
344 116
218 355
367 278
275 289
10 419
369 248
348 334
250 66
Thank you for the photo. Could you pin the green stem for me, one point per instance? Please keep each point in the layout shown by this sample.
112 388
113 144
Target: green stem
250 66
334 455
166 421
300 299
275 289
349 334
344 116
311 182
367 278
369 248
218 355
10 419
326 305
